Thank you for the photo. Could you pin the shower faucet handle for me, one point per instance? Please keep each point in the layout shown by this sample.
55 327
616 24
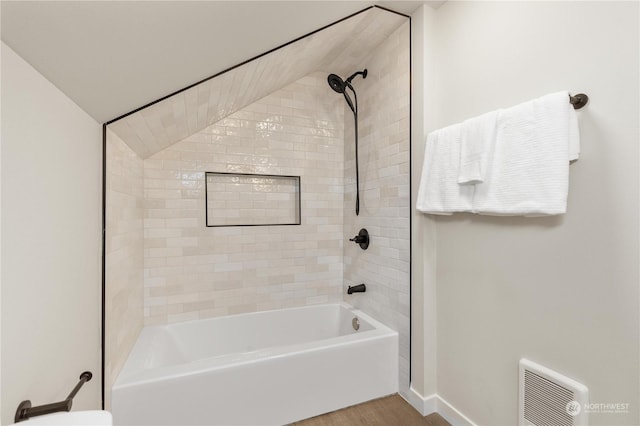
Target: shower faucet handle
362 239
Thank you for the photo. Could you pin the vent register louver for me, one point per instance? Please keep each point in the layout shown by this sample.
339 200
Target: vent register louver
547 398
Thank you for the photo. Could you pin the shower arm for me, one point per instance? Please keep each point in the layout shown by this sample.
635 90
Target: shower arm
352 76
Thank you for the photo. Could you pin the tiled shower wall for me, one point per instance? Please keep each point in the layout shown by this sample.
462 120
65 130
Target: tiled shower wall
124 256
383 115
192 271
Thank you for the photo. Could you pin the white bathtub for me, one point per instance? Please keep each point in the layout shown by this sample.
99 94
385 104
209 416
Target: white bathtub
264 368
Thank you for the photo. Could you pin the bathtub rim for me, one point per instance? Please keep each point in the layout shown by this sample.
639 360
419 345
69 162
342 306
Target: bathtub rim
377 324
175 371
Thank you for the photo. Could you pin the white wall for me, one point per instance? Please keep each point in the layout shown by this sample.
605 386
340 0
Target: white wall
51 209
562 291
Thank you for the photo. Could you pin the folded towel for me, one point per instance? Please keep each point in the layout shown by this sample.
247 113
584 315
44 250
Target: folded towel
439 192
528 164
478 135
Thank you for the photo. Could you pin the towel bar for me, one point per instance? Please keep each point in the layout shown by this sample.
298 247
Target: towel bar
579 100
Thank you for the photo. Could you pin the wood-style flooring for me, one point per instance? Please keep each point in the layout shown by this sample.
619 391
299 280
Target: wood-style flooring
388 411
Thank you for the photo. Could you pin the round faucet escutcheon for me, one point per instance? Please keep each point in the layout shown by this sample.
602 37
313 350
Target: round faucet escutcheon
362 239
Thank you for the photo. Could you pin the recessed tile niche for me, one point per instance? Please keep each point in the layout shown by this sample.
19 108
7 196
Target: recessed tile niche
240 199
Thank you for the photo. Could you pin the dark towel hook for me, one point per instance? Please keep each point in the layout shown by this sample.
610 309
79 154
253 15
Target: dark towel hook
579 100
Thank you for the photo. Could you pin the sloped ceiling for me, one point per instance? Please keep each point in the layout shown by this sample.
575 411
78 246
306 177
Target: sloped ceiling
338 49
111 57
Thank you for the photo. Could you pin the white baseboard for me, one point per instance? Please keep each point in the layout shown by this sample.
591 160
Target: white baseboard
453 416
424 405
435 404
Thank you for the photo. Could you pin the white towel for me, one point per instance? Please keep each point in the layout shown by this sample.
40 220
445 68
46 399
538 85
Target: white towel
528 164
478 135
439 192
574 135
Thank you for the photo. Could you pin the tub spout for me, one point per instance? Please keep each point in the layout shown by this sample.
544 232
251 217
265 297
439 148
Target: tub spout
360 288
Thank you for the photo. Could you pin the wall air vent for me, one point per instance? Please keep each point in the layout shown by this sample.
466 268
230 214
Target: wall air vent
547 398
